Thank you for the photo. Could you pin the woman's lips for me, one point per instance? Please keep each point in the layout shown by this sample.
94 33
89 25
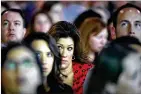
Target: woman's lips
44 69
64 61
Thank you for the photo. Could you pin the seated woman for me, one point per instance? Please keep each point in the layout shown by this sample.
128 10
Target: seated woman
117 70
94 35
47 51
67 38
21 71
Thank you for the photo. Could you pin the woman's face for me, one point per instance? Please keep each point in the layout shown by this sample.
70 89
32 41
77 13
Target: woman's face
97 42
66 47
42 23
20 73
45 55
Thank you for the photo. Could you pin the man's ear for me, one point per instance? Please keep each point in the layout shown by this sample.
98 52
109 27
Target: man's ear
24 32
113 32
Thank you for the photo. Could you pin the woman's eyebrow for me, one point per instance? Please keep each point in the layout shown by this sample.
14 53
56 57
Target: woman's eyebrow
70 45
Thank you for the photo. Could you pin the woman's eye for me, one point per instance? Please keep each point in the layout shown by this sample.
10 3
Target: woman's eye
70 48
99 37
27 63
49 54
10 65
59 47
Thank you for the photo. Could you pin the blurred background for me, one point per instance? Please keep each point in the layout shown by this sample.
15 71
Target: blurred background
65 10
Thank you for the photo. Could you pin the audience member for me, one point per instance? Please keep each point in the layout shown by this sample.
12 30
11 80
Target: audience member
93 35
127 21
67 38
46 49
21 71
111 72
12 26
40 22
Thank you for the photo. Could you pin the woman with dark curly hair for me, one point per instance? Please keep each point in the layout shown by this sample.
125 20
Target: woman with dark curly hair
74 71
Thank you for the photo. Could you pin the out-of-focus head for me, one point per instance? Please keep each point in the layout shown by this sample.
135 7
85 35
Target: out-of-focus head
94 35
46 49
86 14
12 25
56 12
67 38
129 80
127 21
21 72
118 70
41 22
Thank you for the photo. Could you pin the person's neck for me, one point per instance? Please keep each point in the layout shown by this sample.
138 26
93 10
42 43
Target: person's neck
68 70
91 57
68 78
45 84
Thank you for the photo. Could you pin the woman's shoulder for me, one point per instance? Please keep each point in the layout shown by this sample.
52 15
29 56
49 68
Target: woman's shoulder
81 68
80 65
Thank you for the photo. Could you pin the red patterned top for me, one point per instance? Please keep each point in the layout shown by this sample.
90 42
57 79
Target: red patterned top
80 72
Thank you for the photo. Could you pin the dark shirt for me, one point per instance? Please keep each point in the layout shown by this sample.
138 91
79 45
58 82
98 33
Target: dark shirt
57 89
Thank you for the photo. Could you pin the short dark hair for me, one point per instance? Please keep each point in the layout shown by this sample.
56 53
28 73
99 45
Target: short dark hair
126 41
115 14
64 29
17 11
86 14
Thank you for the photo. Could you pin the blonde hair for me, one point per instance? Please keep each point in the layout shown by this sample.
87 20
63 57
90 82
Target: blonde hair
90 25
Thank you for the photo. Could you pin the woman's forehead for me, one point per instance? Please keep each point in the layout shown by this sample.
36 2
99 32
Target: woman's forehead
19 52
66 41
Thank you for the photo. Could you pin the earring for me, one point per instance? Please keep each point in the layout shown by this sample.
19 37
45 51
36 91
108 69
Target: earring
73 57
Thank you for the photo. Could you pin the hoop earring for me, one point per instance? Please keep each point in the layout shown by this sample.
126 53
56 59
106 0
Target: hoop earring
73 57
